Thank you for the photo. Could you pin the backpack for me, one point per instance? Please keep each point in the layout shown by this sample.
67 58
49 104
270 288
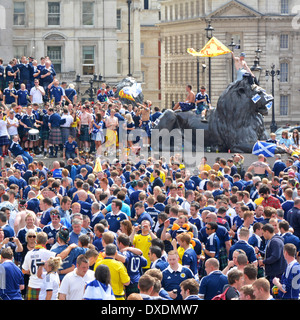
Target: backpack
221 296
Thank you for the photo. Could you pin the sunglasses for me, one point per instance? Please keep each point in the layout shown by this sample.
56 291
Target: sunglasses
54 214
31 237
208 228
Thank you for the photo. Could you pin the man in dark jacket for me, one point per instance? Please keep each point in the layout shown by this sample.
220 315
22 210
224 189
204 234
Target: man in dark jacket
273 261
293 217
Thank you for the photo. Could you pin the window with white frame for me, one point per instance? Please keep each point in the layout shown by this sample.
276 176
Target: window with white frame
284 6
53 13
284 105
119 19
88 60
19 13
54 53
87 13
284 72
284 41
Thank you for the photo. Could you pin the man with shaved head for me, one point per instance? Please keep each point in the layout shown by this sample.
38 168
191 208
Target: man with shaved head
85 203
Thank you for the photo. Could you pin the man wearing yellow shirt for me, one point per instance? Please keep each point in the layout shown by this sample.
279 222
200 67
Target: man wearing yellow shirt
203 165
161 175
142 241
118 272
107 238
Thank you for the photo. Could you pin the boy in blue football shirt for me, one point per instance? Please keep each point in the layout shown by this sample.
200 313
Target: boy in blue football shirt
70 149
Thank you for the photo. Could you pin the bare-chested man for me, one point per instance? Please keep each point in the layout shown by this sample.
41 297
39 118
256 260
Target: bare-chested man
260 167
145 122
20 220
189 103
241 66
85 127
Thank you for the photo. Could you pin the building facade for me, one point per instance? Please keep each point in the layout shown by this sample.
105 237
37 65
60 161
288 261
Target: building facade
270 26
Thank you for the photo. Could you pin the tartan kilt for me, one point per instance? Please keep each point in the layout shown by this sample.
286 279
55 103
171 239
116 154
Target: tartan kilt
84 133
44 134
223 259
260 272
4 141
25 136
55 136
201 270
33 293
132 288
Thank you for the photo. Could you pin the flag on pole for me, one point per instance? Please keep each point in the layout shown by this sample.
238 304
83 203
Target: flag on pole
264 148
213 48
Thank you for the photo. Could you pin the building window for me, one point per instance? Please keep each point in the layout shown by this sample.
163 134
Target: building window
192 9
143 76
284 41
54 53
284 105
119 19
119 61
53 13
146 4
176 11
88 13
186 10
88 60
19 13
284 6
20 51
142 48
284 72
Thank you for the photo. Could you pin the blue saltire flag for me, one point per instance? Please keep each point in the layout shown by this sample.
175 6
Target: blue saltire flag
265 148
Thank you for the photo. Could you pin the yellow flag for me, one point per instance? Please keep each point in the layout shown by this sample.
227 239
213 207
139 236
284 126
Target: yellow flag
213 48
124 95
98 167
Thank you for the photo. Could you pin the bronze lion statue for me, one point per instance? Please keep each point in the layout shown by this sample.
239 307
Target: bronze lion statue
128 82
236 124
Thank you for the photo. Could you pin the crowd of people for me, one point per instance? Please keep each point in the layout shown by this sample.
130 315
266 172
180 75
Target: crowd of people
149 229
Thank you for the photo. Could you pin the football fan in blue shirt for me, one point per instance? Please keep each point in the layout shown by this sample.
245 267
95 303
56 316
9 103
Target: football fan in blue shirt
116 215
174 274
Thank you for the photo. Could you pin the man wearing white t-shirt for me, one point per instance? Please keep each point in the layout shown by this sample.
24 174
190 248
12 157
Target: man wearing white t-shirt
36 93
12 124
73 284
31 264
67 120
